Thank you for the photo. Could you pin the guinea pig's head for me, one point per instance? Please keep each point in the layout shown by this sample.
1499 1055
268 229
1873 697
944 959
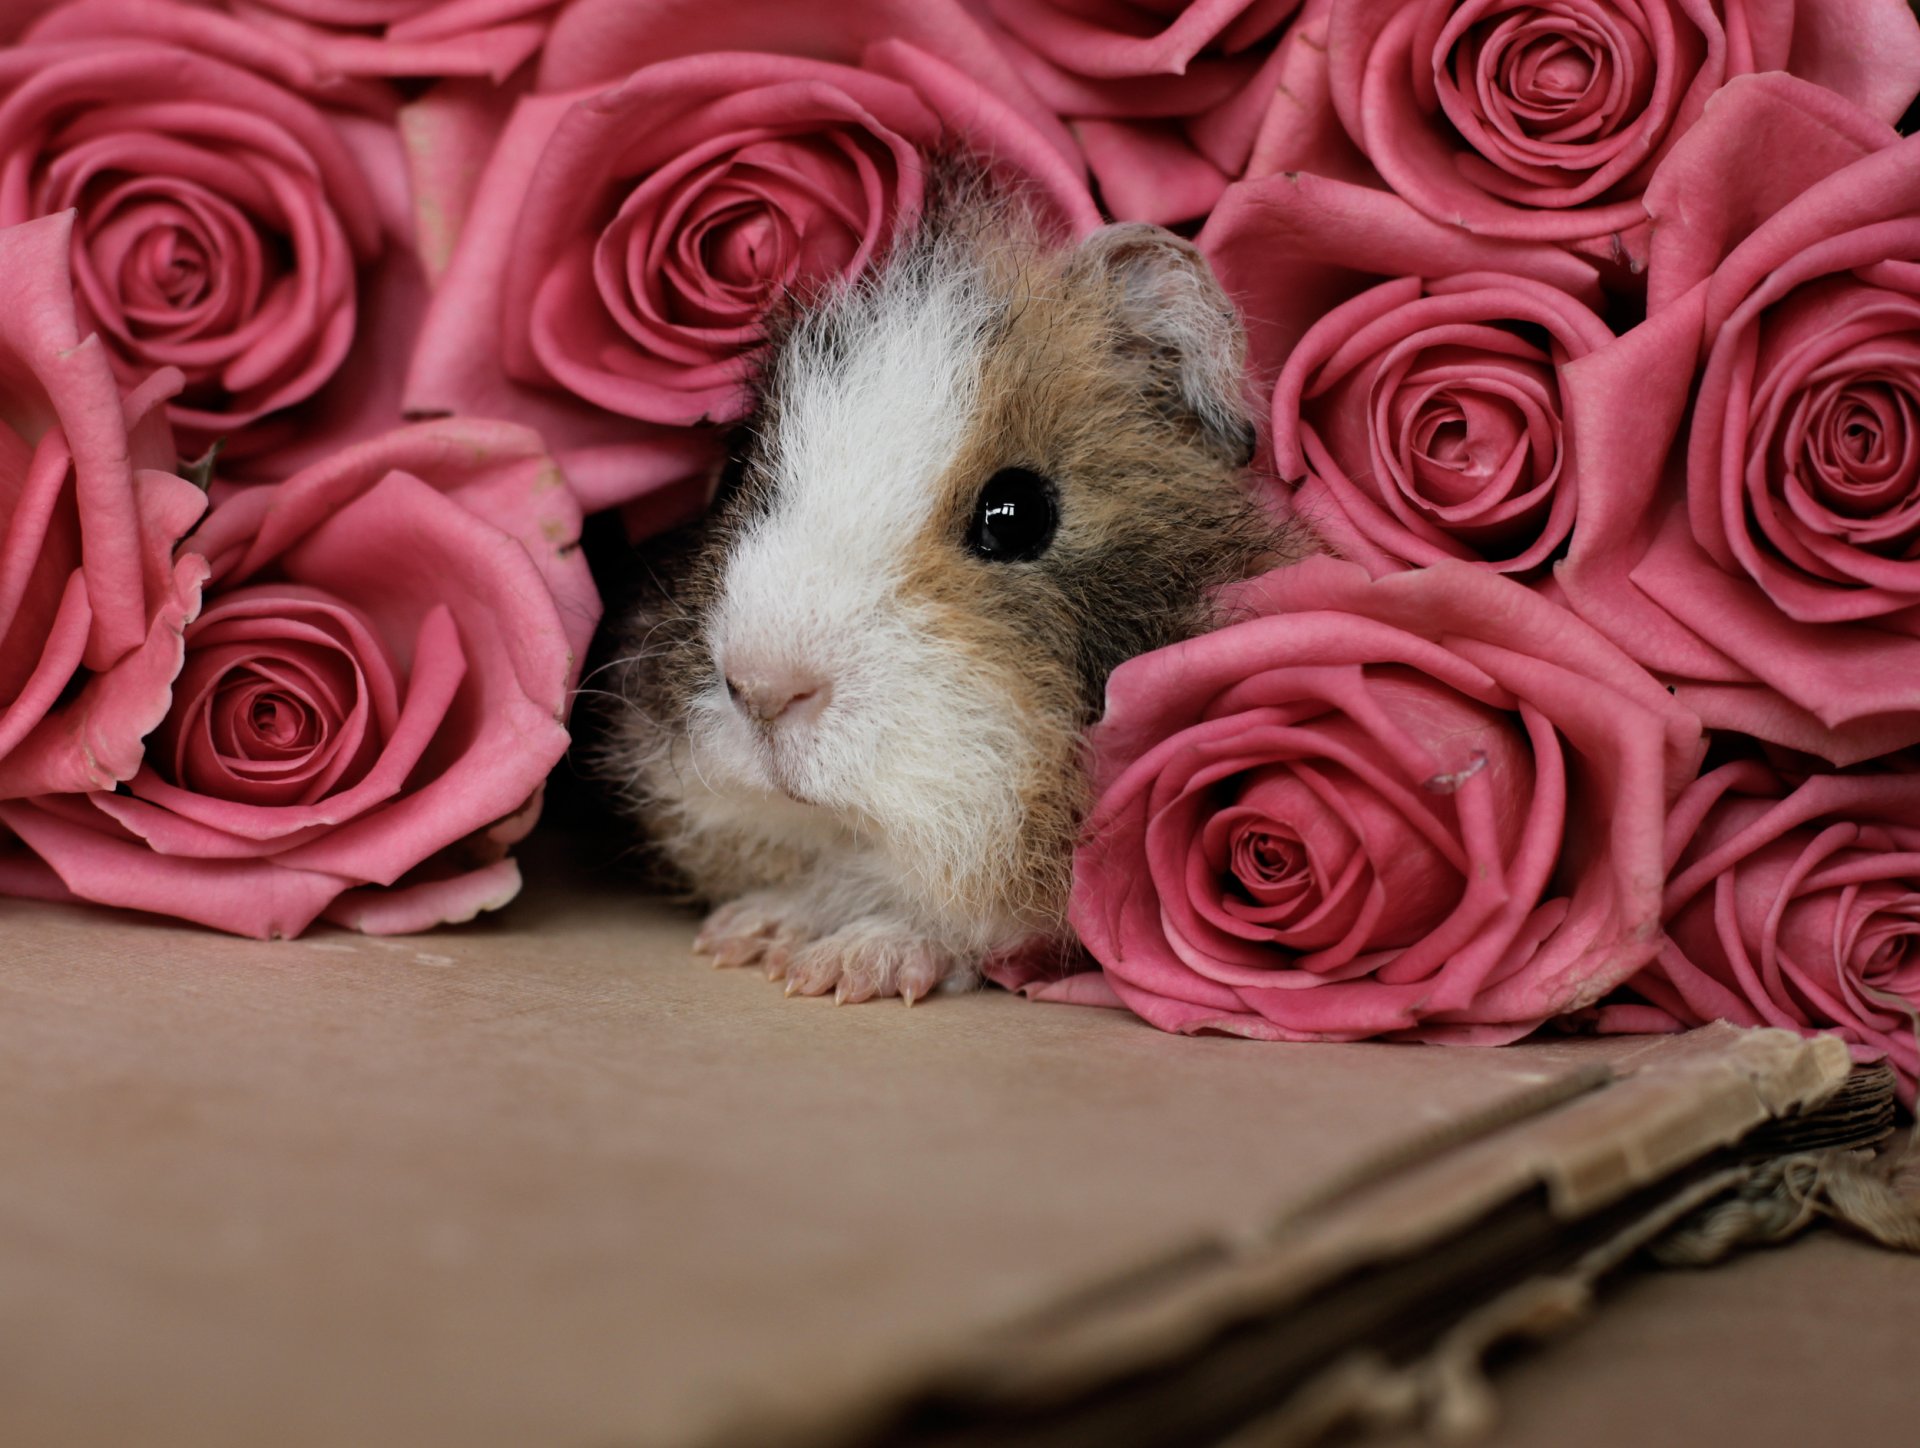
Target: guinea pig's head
976 484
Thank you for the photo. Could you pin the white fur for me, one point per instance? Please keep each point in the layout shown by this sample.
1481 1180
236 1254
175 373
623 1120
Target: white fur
903 774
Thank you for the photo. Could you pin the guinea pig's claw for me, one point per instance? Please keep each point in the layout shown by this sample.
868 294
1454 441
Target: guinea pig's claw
918 977
720 928
738 951
810 974
855 988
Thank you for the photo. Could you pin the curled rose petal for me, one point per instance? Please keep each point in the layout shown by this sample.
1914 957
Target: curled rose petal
490 38
88 524
1292 248
1167 100
596 42
412 906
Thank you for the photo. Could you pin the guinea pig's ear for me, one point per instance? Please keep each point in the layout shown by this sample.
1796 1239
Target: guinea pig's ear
1166 298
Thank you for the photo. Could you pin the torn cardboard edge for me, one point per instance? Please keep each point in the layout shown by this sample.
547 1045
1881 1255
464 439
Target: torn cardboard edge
1444 1388
1828 1169
1540 1195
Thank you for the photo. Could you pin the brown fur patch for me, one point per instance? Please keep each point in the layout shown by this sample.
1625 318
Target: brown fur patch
1152 514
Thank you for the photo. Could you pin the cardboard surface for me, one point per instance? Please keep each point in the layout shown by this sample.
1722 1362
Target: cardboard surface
1648 1108
1808 1344
546 1179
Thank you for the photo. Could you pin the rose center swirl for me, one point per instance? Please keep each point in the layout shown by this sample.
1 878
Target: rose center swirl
172 267
1885 950
704 249
1471 441
1540 90
1833 458
275 711
1858 458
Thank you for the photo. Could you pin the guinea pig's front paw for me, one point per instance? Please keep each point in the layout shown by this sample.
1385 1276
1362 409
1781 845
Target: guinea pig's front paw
762 928
869 958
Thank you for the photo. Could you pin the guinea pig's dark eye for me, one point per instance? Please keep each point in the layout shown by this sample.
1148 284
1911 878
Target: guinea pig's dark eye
1014 517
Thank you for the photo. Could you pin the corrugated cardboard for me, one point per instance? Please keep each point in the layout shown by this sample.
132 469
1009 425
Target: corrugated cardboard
546 1179
1786 1349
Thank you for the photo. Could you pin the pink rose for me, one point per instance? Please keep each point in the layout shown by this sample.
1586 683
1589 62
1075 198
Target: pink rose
1545 118
91 602
1804 456
372 696
627 242
1167 96
1794 905
1764 561
230 218
490 38
1292 249
1428 805
1427 421
17 15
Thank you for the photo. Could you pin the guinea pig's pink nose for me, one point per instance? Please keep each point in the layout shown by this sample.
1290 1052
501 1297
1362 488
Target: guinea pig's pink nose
767 694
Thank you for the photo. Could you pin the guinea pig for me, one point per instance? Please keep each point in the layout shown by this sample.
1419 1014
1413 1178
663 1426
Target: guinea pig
851 715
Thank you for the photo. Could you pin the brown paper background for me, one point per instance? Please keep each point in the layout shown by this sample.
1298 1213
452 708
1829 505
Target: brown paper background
546 1180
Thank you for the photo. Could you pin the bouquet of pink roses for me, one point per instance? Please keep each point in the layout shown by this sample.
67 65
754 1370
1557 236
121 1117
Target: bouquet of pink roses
1587 334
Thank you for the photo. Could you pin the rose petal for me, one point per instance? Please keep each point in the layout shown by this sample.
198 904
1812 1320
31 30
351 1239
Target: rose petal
405 909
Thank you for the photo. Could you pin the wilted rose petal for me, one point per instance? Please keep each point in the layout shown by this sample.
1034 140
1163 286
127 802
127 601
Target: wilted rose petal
89 516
